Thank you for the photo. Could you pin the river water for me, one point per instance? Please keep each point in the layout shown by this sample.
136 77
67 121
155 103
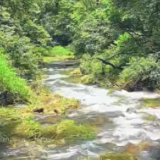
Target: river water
118 117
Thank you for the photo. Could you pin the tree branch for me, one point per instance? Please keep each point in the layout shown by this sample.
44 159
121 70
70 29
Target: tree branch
110 64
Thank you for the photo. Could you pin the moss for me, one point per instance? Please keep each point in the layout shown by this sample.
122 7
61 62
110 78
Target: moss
66 130
153 103
54 102
28 128
75 72
114 156
70 131
15 123
150 118
87 79
50 103
8 114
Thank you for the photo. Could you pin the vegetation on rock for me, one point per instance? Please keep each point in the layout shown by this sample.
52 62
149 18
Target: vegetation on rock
11 124
153 103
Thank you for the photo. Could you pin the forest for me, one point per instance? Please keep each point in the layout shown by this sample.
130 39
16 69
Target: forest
116 41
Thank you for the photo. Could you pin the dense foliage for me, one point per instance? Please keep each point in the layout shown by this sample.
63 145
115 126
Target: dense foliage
120 40
122 33
117 42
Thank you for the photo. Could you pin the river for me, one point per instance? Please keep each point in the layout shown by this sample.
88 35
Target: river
117 116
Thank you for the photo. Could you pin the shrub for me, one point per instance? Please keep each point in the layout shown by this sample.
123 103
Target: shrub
141 70
10 82
22 54
43 51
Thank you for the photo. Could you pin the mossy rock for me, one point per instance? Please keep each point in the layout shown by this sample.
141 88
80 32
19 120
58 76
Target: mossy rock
114 156
153 103
54 103
75 72
87 79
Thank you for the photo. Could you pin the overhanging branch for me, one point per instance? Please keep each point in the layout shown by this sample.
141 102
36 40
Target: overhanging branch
110 64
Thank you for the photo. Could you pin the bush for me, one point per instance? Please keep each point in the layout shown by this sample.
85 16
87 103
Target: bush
141 70
10 82
22 54
90 65
42 51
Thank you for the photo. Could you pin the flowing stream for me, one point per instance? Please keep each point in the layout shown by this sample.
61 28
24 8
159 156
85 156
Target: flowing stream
118 117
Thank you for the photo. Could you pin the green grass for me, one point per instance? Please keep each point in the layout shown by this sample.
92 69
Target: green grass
70 131
57 53
61 51
57 58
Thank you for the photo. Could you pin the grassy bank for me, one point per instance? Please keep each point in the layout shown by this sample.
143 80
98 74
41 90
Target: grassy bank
20 122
